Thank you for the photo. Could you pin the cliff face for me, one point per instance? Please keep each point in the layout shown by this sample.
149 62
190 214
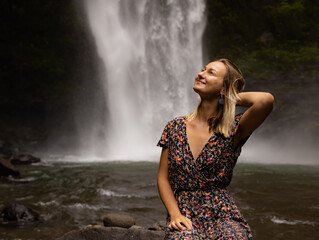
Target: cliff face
45 46
275 44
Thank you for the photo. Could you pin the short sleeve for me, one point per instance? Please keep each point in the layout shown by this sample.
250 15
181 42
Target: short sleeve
236 124
164 140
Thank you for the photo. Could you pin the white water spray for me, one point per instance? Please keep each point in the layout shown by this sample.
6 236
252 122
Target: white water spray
151 52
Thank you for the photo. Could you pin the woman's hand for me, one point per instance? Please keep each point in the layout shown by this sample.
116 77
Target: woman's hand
179 222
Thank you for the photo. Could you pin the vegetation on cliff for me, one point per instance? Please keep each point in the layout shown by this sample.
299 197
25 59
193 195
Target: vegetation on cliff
264 35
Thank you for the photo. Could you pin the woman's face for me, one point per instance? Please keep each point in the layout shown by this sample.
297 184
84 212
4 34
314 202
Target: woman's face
209 82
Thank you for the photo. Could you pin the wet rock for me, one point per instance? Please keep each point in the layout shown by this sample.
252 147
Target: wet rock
24 159
113 233
17 214
136 227
159 226
5 149
7 169
118 220
93 226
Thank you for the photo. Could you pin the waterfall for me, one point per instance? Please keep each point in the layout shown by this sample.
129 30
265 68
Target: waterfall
151 52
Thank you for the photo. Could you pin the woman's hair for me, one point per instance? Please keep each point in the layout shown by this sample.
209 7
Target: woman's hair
233 83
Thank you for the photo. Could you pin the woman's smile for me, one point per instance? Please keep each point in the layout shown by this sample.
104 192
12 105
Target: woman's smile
200 81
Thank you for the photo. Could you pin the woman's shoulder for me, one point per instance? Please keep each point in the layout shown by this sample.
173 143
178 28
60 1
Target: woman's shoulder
179 119
176 121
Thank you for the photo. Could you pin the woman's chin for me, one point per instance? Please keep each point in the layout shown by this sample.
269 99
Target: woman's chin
204 94
198 89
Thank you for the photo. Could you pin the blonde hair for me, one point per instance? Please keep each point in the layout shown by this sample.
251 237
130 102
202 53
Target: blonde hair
233 83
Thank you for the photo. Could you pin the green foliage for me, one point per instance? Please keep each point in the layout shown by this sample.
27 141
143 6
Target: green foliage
265 35
283 60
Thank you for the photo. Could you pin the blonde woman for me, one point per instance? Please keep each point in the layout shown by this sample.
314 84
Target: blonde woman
199 152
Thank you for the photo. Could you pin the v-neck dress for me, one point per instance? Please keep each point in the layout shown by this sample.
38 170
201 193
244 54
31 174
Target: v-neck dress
200 186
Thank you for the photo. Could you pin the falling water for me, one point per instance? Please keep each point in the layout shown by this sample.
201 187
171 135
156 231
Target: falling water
151 52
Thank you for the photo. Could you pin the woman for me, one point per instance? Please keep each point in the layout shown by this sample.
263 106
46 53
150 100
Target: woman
200 151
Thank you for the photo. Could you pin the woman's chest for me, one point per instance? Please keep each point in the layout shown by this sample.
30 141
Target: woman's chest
205 151
197 137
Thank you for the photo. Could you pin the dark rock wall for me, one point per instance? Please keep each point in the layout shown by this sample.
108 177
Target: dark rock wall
46 52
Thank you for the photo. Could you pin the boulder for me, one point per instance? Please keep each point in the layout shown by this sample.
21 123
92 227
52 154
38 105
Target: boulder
118 220
24 159
17 214
6 149
159 226
7 169
136 227
94 226
113 233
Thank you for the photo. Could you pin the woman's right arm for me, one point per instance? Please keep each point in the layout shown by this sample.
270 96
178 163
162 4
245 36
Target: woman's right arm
167 195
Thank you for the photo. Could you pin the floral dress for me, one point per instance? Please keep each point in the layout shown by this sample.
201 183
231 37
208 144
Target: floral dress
200 185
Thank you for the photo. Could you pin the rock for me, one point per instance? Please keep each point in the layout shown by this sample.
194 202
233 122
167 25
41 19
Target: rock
136 227
6 149
17 214
7 169
93 226
159 226
118 220
267 38
24 159
113 233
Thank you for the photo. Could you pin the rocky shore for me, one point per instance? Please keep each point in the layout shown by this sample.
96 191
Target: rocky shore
113 226
10 157
117 227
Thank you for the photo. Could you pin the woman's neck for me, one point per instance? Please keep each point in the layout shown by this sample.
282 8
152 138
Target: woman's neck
207 109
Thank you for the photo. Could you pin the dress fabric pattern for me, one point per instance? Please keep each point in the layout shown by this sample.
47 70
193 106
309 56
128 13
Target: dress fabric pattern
199 185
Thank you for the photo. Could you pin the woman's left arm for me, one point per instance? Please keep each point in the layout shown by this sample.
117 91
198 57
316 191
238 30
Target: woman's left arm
260 106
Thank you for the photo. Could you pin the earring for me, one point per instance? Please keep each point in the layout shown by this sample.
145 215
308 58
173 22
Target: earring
221 100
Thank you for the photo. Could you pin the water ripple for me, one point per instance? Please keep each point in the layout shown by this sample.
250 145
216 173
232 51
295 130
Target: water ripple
293 222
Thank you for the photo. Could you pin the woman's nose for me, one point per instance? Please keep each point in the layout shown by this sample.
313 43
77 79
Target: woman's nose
201 74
